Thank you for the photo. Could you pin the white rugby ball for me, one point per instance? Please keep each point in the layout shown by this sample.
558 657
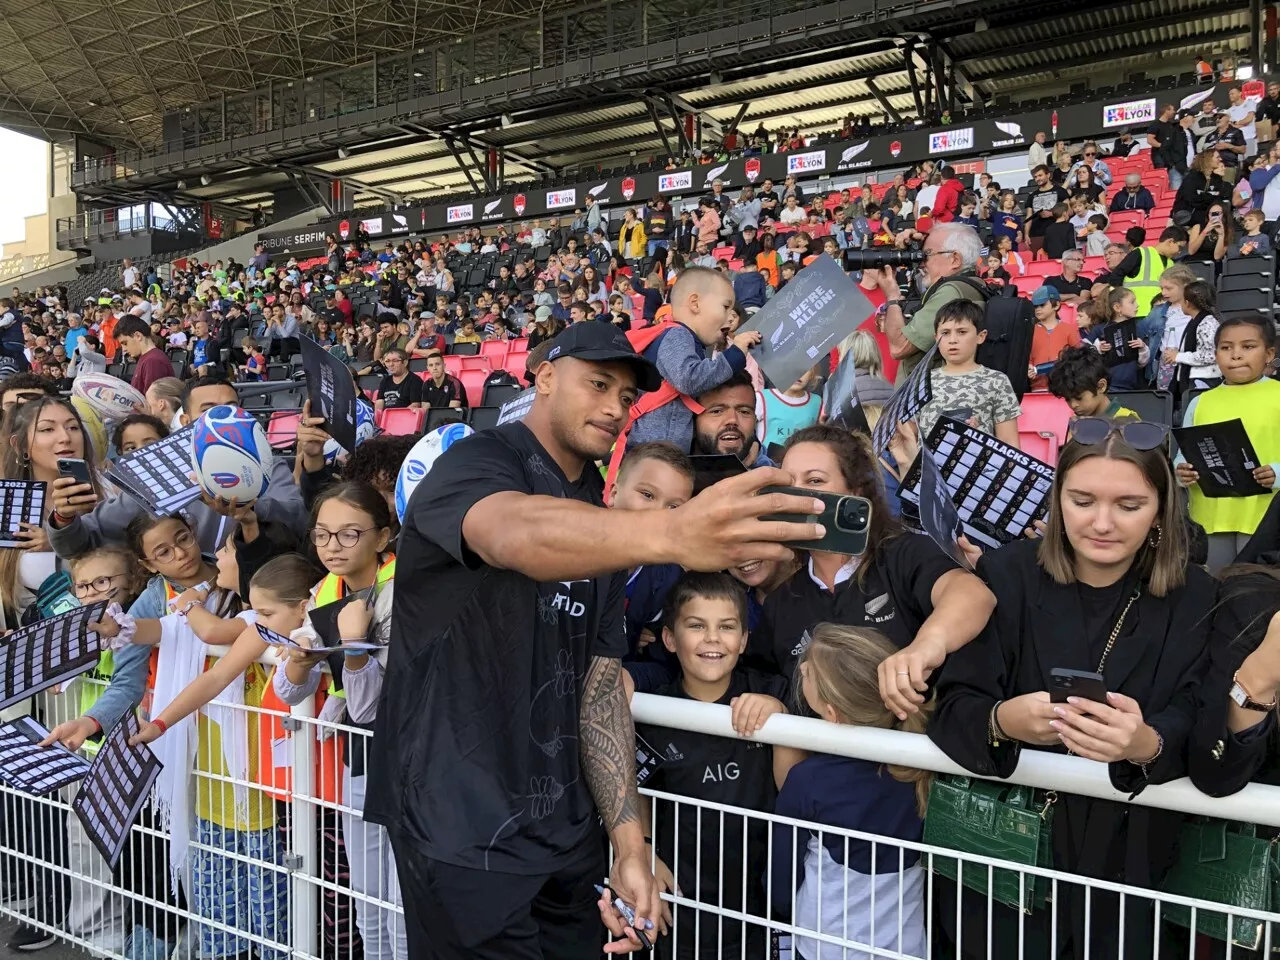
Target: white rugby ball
230 455
365 428
418 463
110 397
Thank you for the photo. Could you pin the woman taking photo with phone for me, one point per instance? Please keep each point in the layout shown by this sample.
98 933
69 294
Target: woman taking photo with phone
1107 591
902 584
40 433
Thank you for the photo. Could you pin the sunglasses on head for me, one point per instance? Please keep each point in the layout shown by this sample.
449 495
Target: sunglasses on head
1138 434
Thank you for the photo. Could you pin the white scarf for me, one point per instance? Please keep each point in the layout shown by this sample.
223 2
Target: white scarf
180 661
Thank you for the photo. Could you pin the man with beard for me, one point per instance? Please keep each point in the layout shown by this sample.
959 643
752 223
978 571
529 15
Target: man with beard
727 423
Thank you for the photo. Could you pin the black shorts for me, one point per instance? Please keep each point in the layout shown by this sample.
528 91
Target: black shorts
459 913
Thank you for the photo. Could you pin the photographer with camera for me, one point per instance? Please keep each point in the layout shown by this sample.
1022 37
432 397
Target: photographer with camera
948 272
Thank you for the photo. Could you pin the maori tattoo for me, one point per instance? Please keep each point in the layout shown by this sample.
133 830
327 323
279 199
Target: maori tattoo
607 741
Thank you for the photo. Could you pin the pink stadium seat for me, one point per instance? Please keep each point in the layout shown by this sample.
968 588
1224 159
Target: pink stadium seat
1127 219
1043 268
1027 285
1043 413
1042 446
517 344
735 265
473 382
495 350
1095 265
480 362
403 422
722 253
282 429
452 364
515 363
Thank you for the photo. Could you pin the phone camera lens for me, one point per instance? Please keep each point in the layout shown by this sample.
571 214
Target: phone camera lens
851 515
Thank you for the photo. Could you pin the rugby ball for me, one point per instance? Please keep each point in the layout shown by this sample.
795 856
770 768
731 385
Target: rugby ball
110 397
94 427
418 463
230 456
365 429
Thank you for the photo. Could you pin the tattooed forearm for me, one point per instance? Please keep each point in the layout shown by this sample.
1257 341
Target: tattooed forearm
608 744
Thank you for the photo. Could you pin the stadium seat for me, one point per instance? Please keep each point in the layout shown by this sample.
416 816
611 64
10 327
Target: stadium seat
518 343
722 253
452 365
496 394
515 363
1124 219
439 416
477 363
1043 268
473 383
402 421
282 429
1042 446
1043 413
1027 285
495 349
1154 406
1243 281
482 418
464 349
1249 265
1233 301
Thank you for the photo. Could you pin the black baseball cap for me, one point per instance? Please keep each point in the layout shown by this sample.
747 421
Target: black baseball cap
603 342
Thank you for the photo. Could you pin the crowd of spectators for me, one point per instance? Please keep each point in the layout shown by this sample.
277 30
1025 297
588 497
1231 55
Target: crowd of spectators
532 607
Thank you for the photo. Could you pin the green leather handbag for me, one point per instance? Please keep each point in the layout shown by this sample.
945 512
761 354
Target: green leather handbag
998 820
1227 863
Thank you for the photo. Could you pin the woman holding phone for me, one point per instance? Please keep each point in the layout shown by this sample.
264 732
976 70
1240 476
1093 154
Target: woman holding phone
38 435
902 585
1107 590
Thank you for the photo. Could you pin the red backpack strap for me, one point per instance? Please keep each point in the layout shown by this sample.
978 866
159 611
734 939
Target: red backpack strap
646 404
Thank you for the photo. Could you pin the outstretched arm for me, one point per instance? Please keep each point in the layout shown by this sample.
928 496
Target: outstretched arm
607 739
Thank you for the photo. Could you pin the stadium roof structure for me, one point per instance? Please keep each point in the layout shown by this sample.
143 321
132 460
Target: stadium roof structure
812 63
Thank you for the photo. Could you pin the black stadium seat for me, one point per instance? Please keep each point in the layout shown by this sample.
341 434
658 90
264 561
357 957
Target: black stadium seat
484 417
439 416
496 394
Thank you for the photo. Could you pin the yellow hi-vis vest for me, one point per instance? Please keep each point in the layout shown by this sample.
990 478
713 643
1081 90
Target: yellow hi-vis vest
1146 285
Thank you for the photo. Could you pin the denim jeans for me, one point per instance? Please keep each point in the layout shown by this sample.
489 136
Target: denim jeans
1175 178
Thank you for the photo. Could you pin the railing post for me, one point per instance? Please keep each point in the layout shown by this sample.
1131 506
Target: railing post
304 860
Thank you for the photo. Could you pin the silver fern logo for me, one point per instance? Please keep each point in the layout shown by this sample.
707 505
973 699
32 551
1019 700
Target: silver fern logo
596 191
1012 132
492 206
713 173
853 151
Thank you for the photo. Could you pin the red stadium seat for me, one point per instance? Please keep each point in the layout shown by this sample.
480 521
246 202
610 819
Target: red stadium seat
493 350
1042 446
473 383
722 253
1095 265
1126 219
476 363
452 364
282 429
1027 285
517 344
402 421
1043 268
1043 413
515 363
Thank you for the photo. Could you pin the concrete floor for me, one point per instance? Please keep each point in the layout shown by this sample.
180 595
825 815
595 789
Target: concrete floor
59 951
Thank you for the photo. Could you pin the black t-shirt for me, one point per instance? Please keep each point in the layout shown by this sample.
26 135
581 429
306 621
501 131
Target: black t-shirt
1068 287
1163 131
895 598
1058 239
725 770
475 758
1042 200
337 319
445 394
407 391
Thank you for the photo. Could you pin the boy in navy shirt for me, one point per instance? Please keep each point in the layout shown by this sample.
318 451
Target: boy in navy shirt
704 625
652 476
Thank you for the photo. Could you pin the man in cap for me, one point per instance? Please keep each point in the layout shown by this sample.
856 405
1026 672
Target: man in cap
517 623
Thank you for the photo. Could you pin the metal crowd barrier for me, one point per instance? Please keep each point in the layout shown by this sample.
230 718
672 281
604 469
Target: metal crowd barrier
315 874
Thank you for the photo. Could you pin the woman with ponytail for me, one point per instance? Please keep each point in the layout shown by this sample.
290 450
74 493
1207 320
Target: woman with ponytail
851 888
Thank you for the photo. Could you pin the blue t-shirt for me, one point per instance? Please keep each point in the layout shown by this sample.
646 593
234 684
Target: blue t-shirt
199 352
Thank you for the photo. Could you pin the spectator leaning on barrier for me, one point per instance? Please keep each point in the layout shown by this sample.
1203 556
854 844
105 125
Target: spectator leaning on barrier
950 272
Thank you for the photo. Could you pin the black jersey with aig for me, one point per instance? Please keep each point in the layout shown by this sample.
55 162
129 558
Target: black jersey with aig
895 597
475 758
716 858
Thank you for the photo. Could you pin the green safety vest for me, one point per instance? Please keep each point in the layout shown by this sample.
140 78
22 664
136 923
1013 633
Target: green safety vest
1146 285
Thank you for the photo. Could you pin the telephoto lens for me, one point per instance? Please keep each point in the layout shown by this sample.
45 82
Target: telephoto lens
864 259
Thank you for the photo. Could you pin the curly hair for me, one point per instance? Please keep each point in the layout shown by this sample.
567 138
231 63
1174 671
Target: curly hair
377 460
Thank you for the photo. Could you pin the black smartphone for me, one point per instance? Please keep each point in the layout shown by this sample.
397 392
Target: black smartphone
847 520
1065 683
711 468
76 469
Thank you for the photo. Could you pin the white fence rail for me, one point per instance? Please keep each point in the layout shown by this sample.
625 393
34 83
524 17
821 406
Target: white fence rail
897 906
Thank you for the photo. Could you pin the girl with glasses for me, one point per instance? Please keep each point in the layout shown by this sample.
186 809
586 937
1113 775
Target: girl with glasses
351 528
1112 567
1245 348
